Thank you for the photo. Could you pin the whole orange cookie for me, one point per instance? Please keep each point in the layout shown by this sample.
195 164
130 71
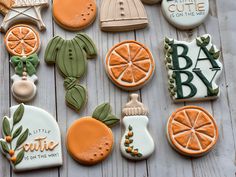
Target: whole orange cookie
129 65
89 139
22 40
74 14
192 131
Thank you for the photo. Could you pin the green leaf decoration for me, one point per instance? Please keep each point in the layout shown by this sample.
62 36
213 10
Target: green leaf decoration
22 138
140 155
212 50
207 40
102 111
199 43
18 114
203 38
6 127
17 132
111 120
19 157
4 146
216 55
130 128
167 40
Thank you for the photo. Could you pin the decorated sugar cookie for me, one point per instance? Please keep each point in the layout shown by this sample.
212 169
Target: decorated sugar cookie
129 65
122 15
193 69
136 143
74 14
185 14
31 139
70 57
22 41
89 139
192 131
18 11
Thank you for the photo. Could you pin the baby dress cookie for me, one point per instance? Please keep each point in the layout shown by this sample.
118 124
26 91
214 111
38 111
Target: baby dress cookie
31 139
22 41
89 140
129 65
193 69
70 57
74 14
16 11
122 15
192 131
136 143
186 14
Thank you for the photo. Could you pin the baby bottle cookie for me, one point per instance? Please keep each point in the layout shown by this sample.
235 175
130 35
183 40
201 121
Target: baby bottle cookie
129 65
22 41
136 143
122 15
17 11
185 14
74 14
192 131
70 57
31 139
193 69
89 139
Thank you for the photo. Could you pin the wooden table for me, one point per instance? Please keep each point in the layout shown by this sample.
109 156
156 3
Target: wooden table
165 162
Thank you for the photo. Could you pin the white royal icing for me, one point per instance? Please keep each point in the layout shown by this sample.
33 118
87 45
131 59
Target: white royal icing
185 14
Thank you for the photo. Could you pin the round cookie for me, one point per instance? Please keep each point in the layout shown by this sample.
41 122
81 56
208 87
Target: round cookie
192 131
22 40
185 14
74 14
129 65
89 140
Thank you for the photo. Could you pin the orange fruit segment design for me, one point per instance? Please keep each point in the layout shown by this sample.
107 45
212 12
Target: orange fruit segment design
192 131
22 40
89 141
129 65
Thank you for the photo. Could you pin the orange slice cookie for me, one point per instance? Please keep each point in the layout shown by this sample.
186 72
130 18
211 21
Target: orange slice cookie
89 139
192 131
129 65
22 40
74 14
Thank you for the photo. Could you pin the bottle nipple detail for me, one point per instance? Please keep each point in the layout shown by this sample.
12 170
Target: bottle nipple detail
134 107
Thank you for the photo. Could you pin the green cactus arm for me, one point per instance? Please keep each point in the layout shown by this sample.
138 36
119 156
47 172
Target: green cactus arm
52 49
87 44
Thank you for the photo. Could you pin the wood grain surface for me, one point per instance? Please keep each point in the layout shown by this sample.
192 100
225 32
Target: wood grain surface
165 162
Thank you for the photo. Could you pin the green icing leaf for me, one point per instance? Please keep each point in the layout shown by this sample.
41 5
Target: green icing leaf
111 120
212 50
199 43
19 157
17 132
102 111
22 138
18 114
216 55
130 128
6 127
167 40
207 40
4 146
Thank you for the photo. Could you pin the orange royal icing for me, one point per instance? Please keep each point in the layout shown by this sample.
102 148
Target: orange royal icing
89 141
74 14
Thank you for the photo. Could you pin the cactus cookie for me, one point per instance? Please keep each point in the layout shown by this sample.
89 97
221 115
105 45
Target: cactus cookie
136 143
22 41
193 69
89 139
31 139
70 57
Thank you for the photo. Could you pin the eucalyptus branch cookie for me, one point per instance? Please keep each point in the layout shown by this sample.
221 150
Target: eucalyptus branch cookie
31 139
185 14
193 69
129 65
74 14
18 11
136 143
23 42
89 140
70 57
192 131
